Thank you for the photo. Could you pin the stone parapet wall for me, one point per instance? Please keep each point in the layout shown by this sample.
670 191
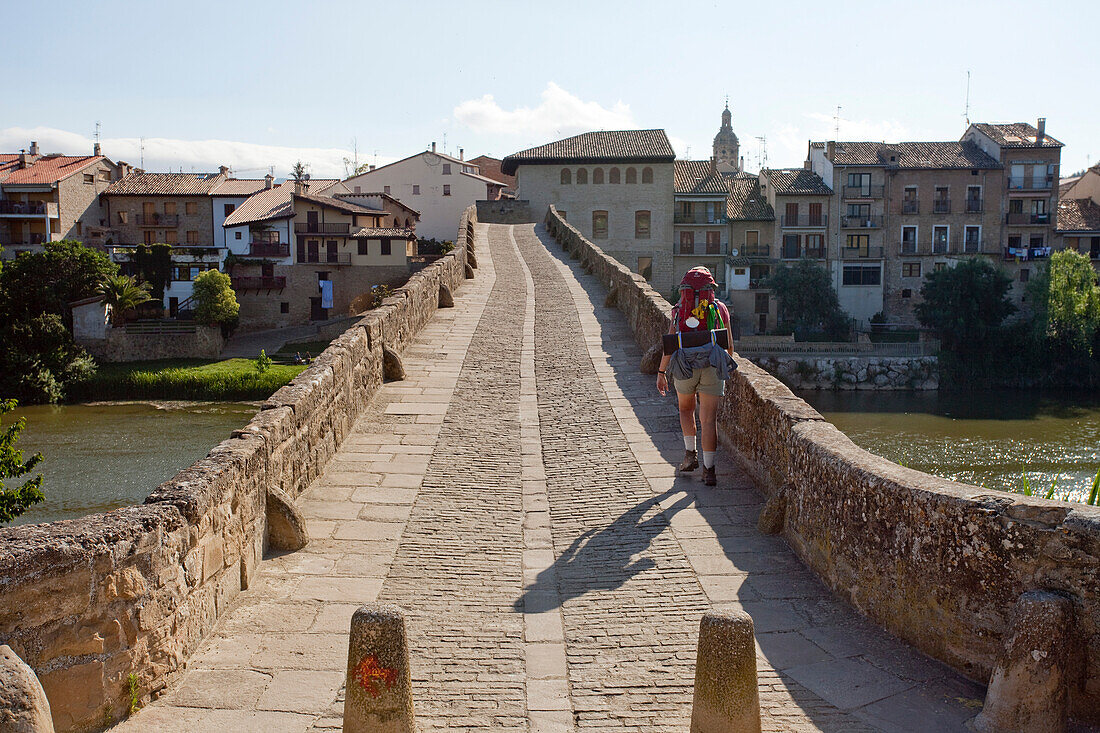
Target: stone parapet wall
852 372
505 211
940 564
205 342
87 602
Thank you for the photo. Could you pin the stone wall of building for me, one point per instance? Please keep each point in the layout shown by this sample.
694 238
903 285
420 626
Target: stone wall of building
940 564
86 602
505 211
853 372
205 342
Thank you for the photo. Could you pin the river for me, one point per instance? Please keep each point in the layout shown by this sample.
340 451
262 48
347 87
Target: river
986 438
105 455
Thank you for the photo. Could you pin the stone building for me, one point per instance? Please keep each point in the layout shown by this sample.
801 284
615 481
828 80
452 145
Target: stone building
438 186
310 258
47 198
700 223
753 254
1078 225
490 168
616 186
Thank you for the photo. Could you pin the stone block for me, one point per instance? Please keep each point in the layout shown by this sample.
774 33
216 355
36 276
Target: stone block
286 527
726 696
76 694
378 690
23 704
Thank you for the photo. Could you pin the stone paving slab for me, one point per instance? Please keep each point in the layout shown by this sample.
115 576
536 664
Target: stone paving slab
516 494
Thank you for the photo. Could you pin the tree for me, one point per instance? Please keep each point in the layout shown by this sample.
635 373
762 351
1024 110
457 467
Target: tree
47 281
1071 308
154 263
123 293
966 306
807 301
15 501
298 172
215 302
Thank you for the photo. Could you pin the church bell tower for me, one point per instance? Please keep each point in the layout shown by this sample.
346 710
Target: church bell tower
726 147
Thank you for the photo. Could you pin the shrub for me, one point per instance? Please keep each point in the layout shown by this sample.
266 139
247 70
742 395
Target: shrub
15 501
808 304
215 302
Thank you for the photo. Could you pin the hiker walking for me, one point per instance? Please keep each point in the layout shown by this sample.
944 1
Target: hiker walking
698 364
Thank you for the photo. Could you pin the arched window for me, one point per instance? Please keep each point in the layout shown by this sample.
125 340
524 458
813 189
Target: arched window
613 176
407 225
582 175
631 175
566 178
641 225
597 175
647 175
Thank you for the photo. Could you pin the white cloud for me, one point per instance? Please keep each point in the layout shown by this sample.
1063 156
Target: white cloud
248 160
559 114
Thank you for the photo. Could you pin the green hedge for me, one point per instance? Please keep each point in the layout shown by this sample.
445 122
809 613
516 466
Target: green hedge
184 379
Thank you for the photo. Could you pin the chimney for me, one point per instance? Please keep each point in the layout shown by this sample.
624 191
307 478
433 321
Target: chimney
806 165
741 164
22 158
269 181
96 150
34 147
461 153
1038 138
223 170
299 188
371 168
433 146
830 150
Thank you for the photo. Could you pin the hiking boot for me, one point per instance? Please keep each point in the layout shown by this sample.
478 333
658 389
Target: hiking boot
708 476
691 461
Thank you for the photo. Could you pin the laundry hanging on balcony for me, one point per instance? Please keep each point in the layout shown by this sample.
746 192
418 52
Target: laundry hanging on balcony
326 293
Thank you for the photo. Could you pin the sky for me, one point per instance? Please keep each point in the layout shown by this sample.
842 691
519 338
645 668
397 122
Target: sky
260 85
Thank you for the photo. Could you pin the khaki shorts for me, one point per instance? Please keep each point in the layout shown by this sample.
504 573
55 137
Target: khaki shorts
703 380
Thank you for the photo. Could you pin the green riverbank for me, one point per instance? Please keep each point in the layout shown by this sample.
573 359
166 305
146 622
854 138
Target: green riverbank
184 379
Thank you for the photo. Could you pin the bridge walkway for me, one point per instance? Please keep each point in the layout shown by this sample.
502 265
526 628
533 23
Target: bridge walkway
517 495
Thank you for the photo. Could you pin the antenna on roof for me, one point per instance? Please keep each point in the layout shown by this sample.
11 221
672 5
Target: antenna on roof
836 120
141 153
966 112
762 153
97 131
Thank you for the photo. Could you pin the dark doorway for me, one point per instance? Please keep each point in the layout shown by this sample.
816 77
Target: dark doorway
316 312
311 222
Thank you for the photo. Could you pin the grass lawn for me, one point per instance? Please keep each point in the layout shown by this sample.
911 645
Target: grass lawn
184 379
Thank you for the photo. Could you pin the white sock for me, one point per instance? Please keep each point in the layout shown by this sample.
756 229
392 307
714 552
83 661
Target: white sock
689 442
708 458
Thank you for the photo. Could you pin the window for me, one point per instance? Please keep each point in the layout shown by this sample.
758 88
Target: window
1036 240
123 217
170 208
752 242
313 251
171 237
906 292
416 189
816 219
322 275
191 208
599 225
973 199
859 211
192 237
362 245
597 176
641 225
150 236
446 189
284 307
582 175
939 266
939 240
687 243
267 269
941 201
972 239
792 247
358 189
761 303
647 175
236 235
860 182
387 247
105 175
631 175
229 208
613 176
714 243
645 267
89 178
1015 206
332 253
859 243
862 275
1039 209
910 269
815 246
909 202
386 190
791 217
908 240
1025 275
446 169
566 177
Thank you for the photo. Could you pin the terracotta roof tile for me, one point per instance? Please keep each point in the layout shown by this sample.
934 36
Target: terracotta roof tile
917 155
602 145
490 168
698 177
796 181
166 184
264 205
1016 135
345 206
1078 215
746 202
44 170
238 187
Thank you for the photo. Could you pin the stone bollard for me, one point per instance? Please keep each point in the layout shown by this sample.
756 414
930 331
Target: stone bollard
446 297
726 698
378 692
651 360
23 705
286 527
392 368
1027 691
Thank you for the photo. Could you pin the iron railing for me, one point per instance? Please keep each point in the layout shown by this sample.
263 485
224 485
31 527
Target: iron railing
269 249
910 207
259 283
861 222
310 227
157 220
863 192
861 253
805 220
22 208
941 206
1018 218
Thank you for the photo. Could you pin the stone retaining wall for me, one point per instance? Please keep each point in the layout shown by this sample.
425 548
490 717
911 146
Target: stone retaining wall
939 563
205 343
86 602
852 372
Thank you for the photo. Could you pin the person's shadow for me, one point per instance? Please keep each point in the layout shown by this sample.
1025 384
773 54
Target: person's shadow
602 558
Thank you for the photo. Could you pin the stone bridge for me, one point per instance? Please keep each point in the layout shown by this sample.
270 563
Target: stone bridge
516 494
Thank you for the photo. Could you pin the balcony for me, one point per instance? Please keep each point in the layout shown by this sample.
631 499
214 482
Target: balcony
157 220
269 249
1026 253
27 241
864 253
756 283
862 192
974 206
698 218
19 208
910 207
259 283
805 220
756 250
861 222
798 253
1030 184
337 258
309 227
941 206
1022 219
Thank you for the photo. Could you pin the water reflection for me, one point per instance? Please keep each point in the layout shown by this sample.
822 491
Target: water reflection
988 438
101 456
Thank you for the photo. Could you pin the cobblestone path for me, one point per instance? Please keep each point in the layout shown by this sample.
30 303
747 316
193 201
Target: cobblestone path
516 495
